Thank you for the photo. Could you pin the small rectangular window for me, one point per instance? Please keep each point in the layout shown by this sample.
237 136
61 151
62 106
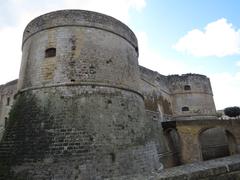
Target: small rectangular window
187 88
185 108
6 121
50 52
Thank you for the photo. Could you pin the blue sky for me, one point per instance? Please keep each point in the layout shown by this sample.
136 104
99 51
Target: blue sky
175 37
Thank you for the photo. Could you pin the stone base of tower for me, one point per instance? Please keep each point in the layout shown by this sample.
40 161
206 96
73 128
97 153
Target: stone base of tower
73 132
135 160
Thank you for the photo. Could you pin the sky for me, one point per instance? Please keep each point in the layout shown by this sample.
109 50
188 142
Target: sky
175 37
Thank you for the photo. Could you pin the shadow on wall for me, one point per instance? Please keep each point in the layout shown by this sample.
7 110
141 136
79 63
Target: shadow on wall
217 142
174 145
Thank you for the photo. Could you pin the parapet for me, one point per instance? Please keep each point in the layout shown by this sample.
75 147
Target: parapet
8 88
80 18
186 76
190 82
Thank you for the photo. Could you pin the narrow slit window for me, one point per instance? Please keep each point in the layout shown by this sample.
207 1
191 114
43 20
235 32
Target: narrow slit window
8 101
187 88
50 52
185 108
6 121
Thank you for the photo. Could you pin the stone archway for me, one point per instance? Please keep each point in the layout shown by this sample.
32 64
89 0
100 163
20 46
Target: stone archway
192 137
216 142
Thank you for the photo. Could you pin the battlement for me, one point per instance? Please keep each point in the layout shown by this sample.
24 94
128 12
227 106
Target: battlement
185 76
186 96
8 88
189 83
80 18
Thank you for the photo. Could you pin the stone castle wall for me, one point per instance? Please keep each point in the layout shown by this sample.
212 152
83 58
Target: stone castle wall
169 95
164 96
88 45
82 98
194 93
158 99
156 92
7 93
78 101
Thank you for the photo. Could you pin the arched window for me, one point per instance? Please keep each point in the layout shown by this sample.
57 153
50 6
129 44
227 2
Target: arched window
187 88
185 108
50 52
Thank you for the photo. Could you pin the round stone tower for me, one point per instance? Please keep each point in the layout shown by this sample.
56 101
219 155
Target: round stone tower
192 97
78 113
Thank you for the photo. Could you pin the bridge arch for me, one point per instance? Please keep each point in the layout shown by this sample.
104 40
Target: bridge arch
216 142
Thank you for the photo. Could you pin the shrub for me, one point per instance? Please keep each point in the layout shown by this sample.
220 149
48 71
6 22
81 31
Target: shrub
232 111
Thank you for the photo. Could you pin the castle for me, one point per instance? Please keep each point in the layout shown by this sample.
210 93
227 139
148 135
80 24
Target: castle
83 108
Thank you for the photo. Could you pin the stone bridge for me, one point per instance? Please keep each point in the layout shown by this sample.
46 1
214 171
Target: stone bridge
190 132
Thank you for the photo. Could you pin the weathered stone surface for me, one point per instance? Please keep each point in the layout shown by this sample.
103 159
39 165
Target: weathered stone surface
190 133
79 18
218 169
7 93
79 108
167 95
84 109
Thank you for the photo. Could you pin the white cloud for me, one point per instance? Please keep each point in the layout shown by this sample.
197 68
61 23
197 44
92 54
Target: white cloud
116 8
152 59
238 63
10 54
226 88
219 38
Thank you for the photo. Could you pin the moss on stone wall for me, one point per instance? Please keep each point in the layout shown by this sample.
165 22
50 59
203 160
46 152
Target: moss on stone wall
23 140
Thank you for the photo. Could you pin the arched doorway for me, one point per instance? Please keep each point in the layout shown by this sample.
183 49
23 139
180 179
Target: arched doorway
216 143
